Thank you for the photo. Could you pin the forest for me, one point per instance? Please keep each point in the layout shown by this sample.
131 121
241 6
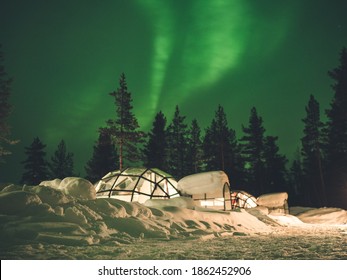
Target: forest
316 177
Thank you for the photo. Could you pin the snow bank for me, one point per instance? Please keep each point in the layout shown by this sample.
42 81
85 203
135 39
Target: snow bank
63 215
17 202
206 182
51 196
296 210
74 186
70 215
332 216
184 202
286 220
11 188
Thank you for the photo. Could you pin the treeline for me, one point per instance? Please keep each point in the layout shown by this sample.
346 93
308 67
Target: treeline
253 162
38 169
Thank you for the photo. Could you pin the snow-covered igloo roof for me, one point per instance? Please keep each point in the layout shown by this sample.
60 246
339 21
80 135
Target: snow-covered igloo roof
208 189
205 182
137 184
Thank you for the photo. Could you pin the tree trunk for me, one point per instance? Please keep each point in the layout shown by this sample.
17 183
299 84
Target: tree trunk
322 190
121 155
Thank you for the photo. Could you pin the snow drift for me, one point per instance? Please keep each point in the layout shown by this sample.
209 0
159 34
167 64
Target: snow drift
68 212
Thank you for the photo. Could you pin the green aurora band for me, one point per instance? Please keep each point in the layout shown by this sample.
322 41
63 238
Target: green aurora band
192 46
66 57
162 47
197 43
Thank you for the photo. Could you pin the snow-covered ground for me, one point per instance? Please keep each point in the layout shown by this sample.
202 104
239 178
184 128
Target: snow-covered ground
66 221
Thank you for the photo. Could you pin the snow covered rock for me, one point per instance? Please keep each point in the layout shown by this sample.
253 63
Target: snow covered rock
206 182
78 187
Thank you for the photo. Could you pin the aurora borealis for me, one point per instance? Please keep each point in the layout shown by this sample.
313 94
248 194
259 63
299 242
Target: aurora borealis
66 56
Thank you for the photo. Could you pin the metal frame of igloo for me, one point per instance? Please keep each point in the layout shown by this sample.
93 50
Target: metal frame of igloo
242 199
137 185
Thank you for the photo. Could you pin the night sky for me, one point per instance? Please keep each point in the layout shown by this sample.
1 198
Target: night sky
66 56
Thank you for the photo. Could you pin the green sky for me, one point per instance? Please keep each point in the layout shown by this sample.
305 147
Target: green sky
66 56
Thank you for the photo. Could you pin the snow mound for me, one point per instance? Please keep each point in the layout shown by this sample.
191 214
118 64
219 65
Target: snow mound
70 215
296 210
21 203
286 220
51 195
11 188
78 187
184 202
330 216
51 183
46 214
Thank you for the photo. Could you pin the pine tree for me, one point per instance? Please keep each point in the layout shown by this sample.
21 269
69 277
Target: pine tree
124 128
5 110
253 153
312 155
156 147
104 159
195 151
275 166
217 141
296 182
35 165
177 139
336 151
221 150
61 165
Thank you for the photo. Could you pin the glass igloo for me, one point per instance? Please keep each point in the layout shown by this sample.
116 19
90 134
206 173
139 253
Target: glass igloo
137 185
